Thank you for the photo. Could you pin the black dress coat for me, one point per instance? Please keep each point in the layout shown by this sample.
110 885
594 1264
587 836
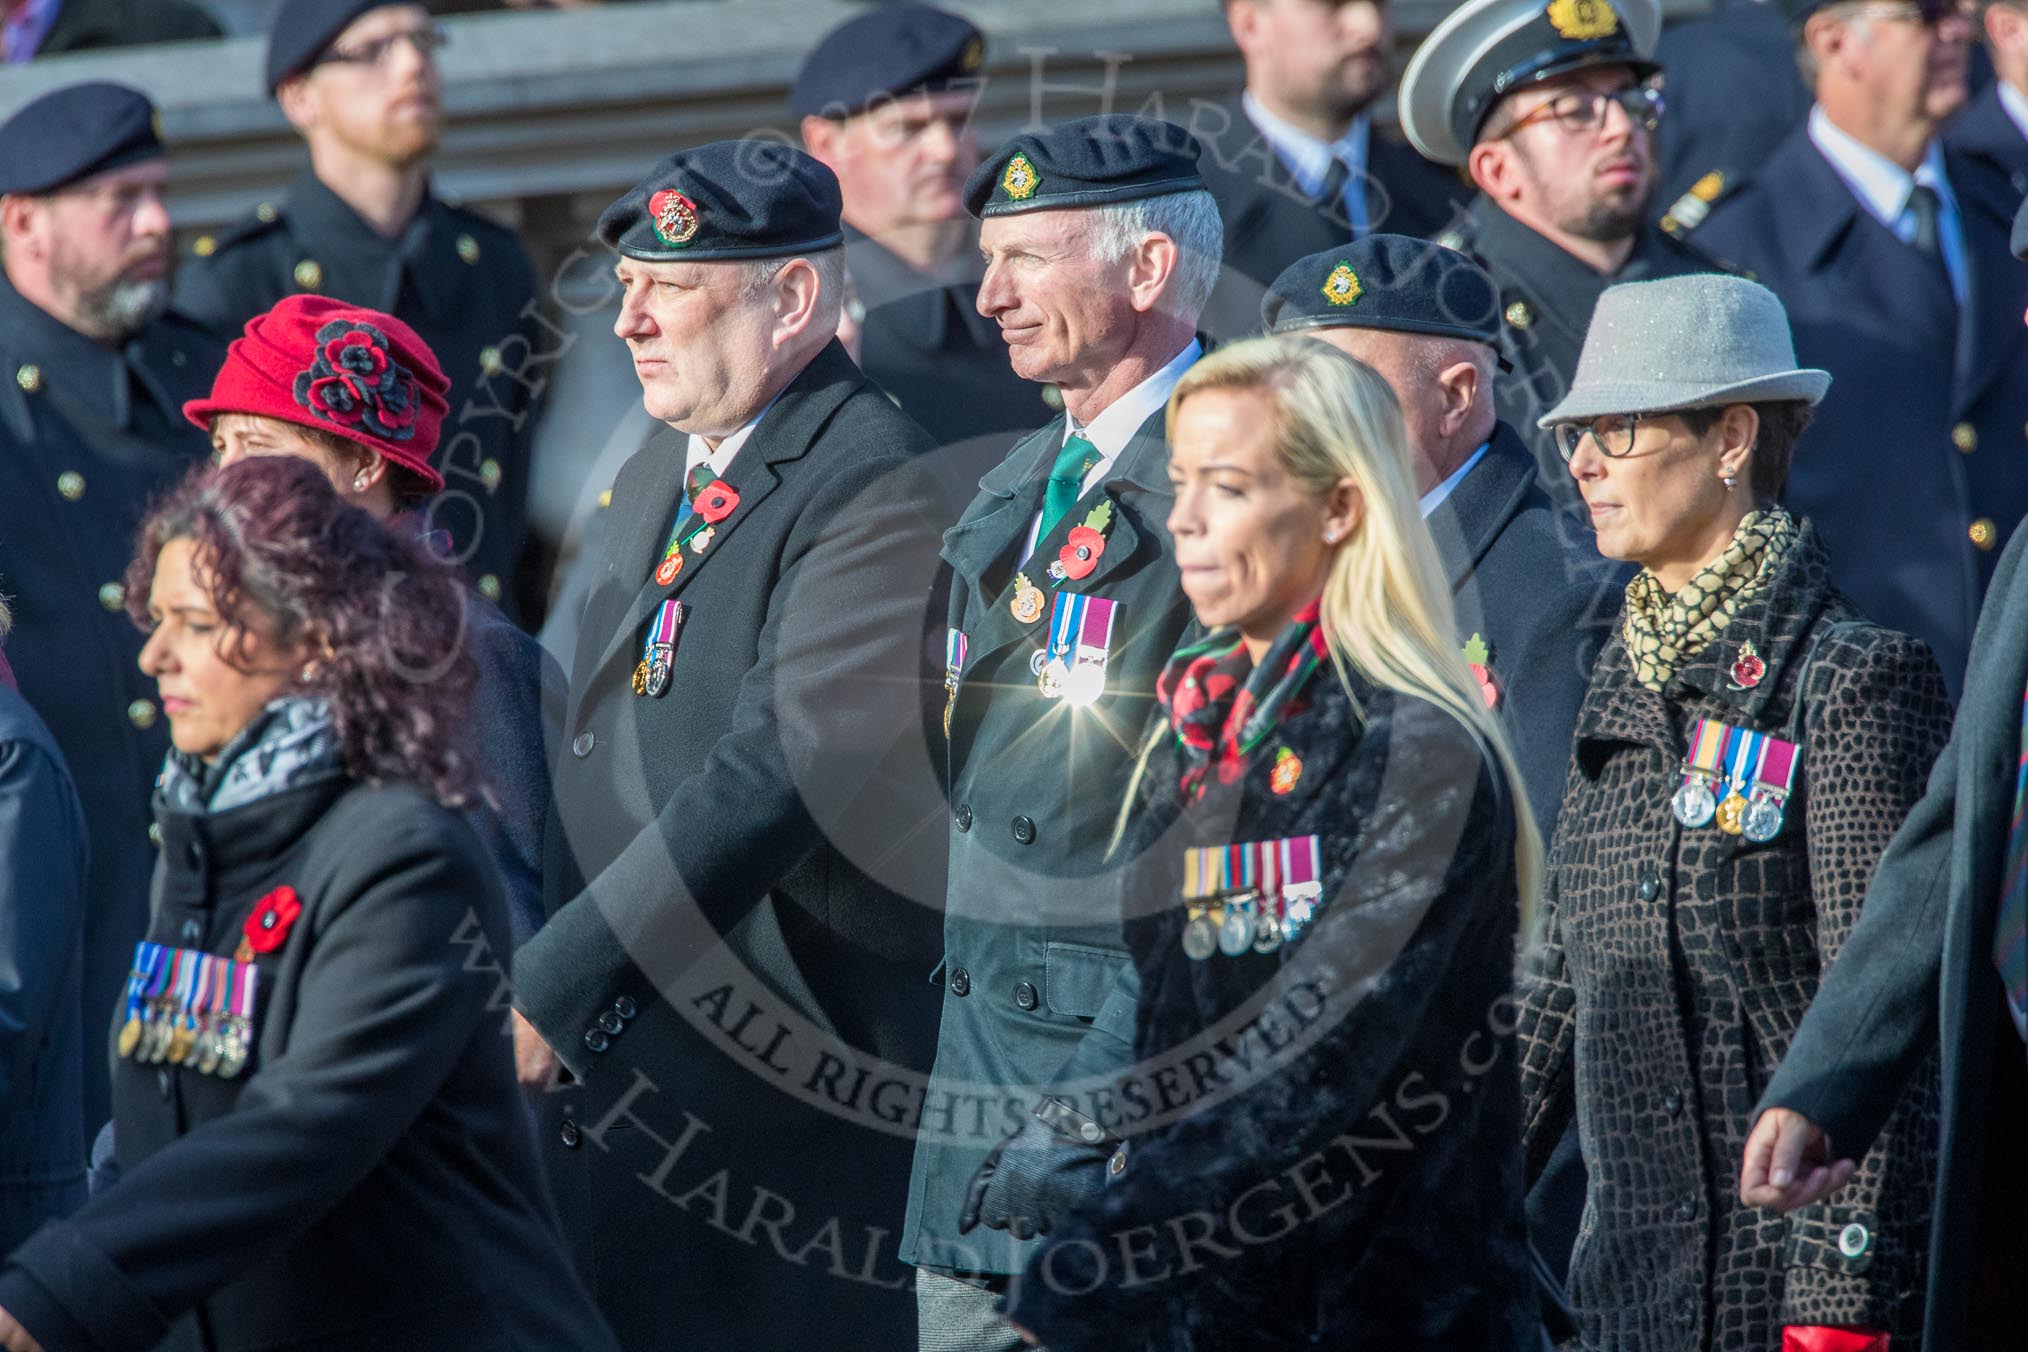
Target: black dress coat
740 920
1270 222
1546 299
1926 396
44 860
464 284
516 707
87 25
1338 1121
1679 963
88 435
1983 132
368 1181
1917 973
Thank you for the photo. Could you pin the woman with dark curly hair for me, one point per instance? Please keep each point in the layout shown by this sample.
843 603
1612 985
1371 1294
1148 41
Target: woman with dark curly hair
320 1138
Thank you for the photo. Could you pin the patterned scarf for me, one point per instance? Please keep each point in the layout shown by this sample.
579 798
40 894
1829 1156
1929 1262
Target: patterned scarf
1664 632
289 743
1220 706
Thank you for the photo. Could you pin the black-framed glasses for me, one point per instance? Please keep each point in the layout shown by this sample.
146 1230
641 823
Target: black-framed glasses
427 41
1612 433
1579 111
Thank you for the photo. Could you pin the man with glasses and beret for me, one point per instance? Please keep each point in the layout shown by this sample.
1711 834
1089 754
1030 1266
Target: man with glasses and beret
1551 106
1889 250
359 80
741 879
93 374
886 101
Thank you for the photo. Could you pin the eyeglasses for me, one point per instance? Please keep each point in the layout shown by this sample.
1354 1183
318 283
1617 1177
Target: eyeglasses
426 41
1584 110
1612 433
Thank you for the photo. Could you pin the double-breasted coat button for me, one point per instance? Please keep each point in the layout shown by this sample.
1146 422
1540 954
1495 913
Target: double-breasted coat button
961 982
625 1007
70 485
963 816
1854 1240
1965 437
1117 1165
489 586
612 1022
581 745
1686 1210
309 274
29 377
1092 1131
155 834
1024 831
1024 995
1650 885
112 596
265 212
141 713
1983 533
596 1039
569 1134
490 472
1672 1103
468 249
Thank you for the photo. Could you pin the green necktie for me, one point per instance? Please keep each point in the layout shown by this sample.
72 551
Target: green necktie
1066 482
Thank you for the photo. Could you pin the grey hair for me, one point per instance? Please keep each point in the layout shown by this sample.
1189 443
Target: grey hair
1191 220
760 274
1851 11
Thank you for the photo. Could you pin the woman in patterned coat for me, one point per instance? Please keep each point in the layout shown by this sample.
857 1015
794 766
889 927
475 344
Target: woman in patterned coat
1748 746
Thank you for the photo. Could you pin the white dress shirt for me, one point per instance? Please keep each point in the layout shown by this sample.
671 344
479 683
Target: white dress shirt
1883 188
2016 104
1435 497
1309 157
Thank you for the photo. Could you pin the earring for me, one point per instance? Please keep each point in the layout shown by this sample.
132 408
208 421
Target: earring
1331 536
309 672
360 482
1730 482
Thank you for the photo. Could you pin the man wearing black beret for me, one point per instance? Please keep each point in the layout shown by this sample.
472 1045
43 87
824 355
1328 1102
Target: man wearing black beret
736 914
1102 246
359 80
93 375
886 100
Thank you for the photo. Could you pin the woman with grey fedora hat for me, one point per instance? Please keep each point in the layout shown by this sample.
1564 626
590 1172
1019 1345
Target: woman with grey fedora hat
1748 745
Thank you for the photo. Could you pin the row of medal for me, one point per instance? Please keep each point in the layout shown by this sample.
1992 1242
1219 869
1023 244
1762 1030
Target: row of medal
1249 898
658 653
1070 666
1737 778
189 1009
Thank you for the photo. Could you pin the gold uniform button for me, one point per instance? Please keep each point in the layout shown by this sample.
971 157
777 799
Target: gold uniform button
309 274
489 587
468 249
205 246
141 713
489 360
71 485
265 212
28 377
1965 437
1519 315
112 596
1983 532
155 834
490 473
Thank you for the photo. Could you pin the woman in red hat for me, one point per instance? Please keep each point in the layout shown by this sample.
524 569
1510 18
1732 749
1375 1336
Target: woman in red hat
356 393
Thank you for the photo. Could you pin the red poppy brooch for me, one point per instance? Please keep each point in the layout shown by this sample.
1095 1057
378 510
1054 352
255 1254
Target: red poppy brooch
356 383
267 928
1084 546
1748 670
717 501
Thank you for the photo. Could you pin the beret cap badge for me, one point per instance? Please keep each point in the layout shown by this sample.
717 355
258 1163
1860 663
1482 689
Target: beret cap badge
675 217
356 383
1020 181
973 56
1582 19
1342 286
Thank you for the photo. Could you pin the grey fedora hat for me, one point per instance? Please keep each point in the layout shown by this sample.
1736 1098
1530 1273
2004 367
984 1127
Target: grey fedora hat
1686 342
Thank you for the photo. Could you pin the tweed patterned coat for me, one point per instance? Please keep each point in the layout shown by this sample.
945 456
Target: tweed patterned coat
1680 961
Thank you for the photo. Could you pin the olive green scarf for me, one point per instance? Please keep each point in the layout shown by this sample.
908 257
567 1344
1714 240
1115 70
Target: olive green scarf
1663 632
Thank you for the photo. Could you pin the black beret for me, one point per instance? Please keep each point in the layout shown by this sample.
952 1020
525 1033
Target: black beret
1091 162
1386 282
73 133
893 50
300 32
729 199
1796 11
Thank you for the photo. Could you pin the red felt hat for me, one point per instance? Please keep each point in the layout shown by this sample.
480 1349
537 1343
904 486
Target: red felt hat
355 373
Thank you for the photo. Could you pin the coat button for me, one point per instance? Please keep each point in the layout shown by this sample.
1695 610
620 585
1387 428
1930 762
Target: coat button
1672 1103
963 816
961 982
468 249
490 472
1650 885
581 745
112 596
70 485
1854 1240
1024 995
489 586
612 1022
1519 315
1983 533
192 931
569 1134
625 1007
1965 437
1686 1210
309 274
155 834
28 377
596 1039
1024 831
1117 1165
141 713
1686 1312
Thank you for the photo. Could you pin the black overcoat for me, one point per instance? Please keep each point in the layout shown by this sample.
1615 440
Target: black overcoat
1680 961
1918 971
1331 1157
1983 131
735 960
369 1180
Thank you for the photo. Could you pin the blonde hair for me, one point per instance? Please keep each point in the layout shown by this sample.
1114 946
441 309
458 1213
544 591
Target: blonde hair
1387 606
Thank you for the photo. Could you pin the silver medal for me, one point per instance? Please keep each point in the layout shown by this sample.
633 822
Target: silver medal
1763 820
1267 933
1299 913
1055 679
1200 938
1694 804
1235 936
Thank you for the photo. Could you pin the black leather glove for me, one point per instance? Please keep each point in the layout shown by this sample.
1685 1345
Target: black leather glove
1054 1162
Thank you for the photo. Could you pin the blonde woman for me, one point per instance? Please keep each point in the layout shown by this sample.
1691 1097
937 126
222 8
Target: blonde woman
1335 856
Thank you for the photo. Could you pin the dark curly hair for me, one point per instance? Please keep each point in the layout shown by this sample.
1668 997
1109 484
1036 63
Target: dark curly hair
385 617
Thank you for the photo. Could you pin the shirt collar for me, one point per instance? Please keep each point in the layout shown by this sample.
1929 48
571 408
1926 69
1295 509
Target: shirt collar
1881 185
1435 497
700 451
1112 429
2016 105
1308 156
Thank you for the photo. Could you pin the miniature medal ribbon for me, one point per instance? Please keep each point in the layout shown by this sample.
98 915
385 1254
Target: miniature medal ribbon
1073 665
955 644
1254 896
191 1009
1737 777
658 650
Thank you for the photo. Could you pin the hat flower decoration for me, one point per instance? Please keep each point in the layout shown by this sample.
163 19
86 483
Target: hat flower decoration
355 382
